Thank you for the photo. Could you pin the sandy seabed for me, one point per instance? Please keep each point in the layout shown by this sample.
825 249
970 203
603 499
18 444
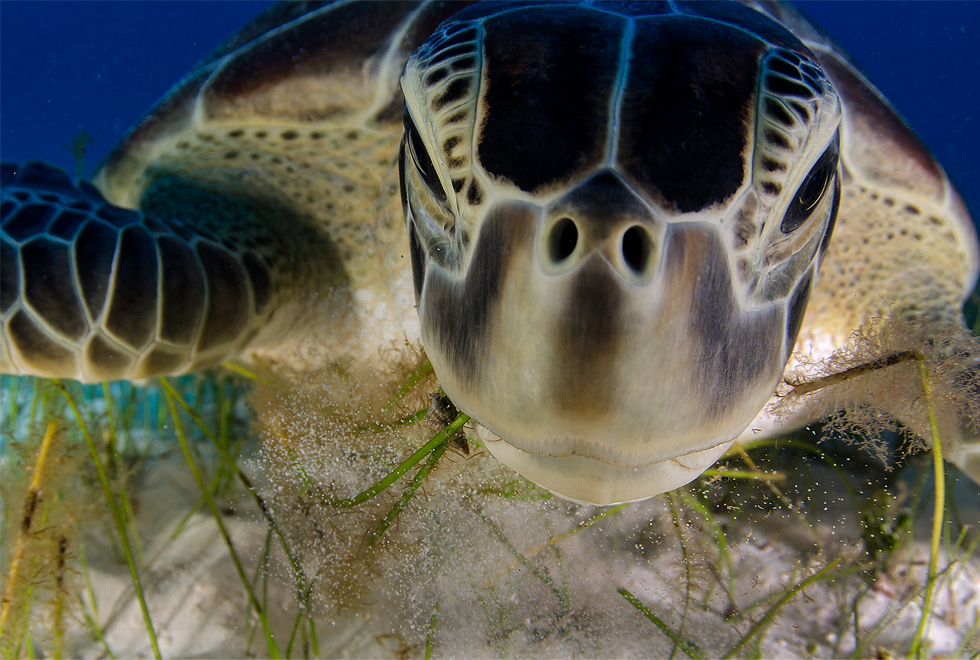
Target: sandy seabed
480 578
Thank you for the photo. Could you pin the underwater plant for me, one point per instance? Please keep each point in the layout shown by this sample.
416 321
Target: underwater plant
78 145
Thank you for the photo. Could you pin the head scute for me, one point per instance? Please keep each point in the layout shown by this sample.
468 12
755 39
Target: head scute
797 108
441 83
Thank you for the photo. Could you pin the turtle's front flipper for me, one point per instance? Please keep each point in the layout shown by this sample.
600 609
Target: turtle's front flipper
94 292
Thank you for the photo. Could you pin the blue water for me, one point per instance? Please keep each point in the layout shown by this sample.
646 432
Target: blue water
101 65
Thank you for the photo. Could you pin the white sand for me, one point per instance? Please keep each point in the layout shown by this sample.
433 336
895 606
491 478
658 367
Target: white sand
491 604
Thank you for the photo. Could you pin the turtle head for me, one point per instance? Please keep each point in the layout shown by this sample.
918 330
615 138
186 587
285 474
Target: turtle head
614 224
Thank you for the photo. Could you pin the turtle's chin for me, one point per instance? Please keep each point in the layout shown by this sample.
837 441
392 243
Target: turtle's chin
589 480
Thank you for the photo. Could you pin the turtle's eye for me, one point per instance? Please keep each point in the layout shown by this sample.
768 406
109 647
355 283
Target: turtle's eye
812 190
424 164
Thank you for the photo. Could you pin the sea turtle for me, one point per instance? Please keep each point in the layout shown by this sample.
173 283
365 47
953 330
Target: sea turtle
609 217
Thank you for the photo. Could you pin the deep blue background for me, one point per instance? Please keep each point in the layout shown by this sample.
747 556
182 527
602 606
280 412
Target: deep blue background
101 65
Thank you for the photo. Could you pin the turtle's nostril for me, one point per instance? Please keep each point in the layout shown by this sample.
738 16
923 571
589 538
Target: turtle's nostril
564 238
636 248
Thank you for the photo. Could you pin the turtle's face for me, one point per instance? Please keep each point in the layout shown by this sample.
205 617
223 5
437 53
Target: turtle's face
614 222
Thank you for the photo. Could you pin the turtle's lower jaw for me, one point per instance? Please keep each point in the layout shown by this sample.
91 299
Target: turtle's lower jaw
589 480
641 368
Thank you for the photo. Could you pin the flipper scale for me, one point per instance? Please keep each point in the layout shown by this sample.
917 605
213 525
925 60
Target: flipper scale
94 292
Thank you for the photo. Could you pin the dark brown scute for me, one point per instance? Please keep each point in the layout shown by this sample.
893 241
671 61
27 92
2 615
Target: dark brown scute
464 63
788 69
183 291
67 225
132 316
105 361
455 91
777 139
30 340
770 165
783 87
275 16
686 110
753 21
778 112
550 77
337 41
461 37
30 220
48 286
771 188
95 249
451 51
161 362
428 19
436 77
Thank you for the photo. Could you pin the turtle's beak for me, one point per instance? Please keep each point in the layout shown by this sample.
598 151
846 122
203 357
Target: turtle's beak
607 348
